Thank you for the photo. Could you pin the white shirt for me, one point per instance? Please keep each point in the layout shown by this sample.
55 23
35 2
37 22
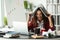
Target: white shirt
40 24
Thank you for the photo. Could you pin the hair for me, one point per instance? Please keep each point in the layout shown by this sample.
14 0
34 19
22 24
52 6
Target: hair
43 16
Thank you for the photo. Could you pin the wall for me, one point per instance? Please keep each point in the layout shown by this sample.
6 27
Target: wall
38 2
1 12
15 11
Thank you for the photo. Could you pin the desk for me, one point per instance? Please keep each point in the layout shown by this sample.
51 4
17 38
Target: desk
32 39
29 37
25 37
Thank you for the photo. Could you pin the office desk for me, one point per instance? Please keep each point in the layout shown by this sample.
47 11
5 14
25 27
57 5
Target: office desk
25 37
29 37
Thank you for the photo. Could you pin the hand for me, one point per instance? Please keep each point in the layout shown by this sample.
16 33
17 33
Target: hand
29 23
49 17
43 28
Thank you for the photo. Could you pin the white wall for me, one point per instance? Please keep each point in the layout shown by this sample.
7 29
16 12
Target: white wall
15 11
38 2
1 12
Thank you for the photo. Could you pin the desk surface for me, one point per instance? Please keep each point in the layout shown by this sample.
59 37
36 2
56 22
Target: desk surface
29 37
24 37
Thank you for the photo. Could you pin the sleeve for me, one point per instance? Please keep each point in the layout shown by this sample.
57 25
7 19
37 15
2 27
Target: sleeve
32 25
47 27
29 25
53 28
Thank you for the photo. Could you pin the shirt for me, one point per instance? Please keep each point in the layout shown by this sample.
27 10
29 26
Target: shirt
40 24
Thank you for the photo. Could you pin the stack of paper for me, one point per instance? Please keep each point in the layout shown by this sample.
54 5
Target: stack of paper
9 34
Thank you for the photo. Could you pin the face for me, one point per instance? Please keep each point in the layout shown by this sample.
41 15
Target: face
39 15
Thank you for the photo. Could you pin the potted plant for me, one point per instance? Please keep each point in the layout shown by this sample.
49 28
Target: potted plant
5 22
25 4
31 6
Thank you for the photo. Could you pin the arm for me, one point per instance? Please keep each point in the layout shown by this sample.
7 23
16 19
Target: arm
50 21
29 23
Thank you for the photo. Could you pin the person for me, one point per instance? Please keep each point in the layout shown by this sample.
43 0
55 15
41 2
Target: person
40 23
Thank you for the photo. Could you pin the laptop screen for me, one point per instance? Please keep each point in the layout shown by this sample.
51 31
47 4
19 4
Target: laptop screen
20 27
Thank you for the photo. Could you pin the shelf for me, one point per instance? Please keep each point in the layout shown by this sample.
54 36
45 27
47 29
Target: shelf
57 25
57 14
58 3
54 7
53 3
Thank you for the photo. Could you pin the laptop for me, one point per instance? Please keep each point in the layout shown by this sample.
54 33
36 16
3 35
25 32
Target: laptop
21 27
